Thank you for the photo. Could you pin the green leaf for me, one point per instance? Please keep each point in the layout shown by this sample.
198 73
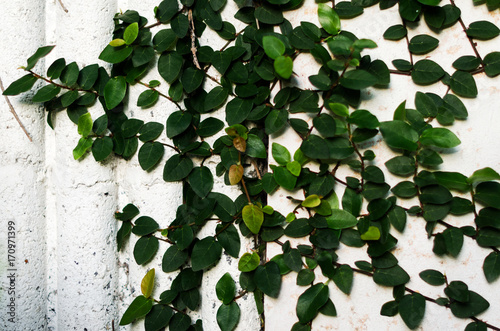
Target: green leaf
373 233
393 276
170 66
466 63
491 267
454 240
476 326
173 259
201 180
158 317
492 64
463 84
412 309
166 10
426 72
401 165
21 85
248 262
112 54
305 277
191 79
452 180
228 316
84 144
150 154
432 277
56 68
439 137
281 154
229 239
273 46
398 134
46 93
255 147
339 109
341 219
215 98
476 305
311 201
225 289
405 189
348 9
206 253
150 131
85 125
395 32
237 110
311 301
115 91
389 308
131 32
483 175
343 278
144 249
101 148
147 98
483 30
253 217
267 277
329 19
137 309
358 79
40 52
180 321
409 9
422 44
177 123
268 15
148 283
283 65
488 237
177 168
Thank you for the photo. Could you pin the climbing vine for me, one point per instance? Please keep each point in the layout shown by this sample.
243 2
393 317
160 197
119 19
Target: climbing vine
251 78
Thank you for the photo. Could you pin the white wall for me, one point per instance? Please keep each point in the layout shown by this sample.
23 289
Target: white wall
69 275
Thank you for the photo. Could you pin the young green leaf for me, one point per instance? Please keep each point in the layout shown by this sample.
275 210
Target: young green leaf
329 19
273 46
148 283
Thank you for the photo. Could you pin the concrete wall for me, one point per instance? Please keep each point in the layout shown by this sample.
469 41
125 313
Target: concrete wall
68 273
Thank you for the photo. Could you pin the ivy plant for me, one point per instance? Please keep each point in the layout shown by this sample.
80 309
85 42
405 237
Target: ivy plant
251 79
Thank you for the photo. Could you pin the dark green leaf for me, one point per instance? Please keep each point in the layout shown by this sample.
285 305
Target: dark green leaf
432 277
177 123
422 44
206 253
492 64
491 267
158 318
412 309
463 84
426 72
173 259
311 301
439 137
268 279
483 30
225 289
228 316
177 168
144 249
21 85
170 66
150 154
115 91
166 10
391 277
201 180
343 278
137 309
268 15
115 54
476 305
398 134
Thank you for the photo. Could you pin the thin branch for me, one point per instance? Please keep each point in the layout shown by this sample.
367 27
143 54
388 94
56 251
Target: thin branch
153 25
161 94
398 72
61 86
13 111
193 39
62 6
472 43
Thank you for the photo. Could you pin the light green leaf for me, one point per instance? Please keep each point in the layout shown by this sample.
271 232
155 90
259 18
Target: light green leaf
283 65
131 32
148 283
273 46
329 19
253 217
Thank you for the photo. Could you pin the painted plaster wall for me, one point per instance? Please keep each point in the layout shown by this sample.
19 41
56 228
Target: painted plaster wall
69 275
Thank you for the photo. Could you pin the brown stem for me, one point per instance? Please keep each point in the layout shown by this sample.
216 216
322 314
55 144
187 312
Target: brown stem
471 41
153 25
254 164
193 39
241 295
63 6
246 190
398 72
59 85
221 230
13 111
161 94
408 44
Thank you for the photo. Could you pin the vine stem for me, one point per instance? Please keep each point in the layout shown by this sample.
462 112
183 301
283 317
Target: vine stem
471 41
193 39
59 85
161 94
13 111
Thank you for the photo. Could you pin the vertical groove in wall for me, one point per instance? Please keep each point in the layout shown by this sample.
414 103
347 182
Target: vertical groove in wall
22 299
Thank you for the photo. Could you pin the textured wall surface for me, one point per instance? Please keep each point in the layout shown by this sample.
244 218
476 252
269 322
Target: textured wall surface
68 273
